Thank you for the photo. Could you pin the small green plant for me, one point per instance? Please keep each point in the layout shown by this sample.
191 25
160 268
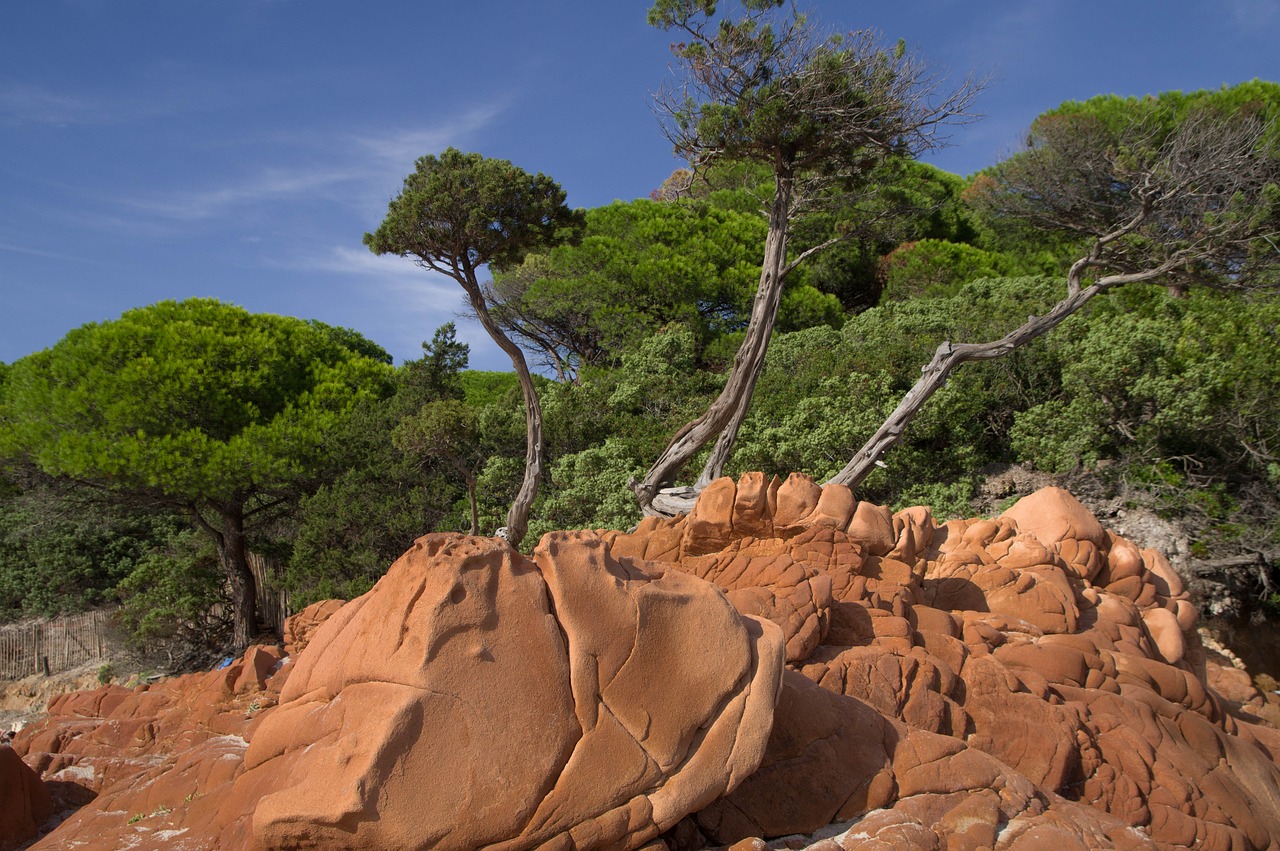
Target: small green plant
105 673
1005 504
158 811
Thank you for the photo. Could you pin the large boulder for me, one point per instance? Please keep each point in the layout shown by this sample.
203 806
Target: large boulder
25 803
1034 656
476 697
473 697
786 663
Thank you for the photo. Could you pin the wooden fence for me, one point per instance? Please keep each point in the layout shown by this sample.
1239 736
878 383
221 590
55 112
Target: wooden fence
59 644
273 600
53 645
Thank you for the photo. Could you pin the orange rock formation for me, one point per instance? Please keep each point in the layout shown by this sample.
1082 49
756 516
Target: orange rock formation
783 661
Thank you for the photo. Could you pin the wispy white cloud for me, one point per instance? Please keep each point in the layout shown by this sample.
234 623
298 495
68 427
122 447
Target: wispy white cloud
353 169
423 289
270 184
1254 17
404 145
26 104
163 89
417 301
359 261
35 252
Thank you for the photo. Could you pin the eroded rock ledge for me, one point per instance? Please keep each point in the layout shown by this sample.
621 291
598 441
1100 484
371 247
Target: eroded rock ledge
783 660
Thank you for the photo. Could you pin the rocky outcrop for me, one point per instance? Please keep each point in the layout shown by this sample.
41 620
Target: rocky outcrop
785 661
476 697
578 700
1034 656
26 800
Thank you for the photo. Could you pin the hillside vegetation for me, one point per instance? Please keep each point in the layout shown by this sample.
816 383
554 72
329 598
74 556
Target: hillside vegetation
143 457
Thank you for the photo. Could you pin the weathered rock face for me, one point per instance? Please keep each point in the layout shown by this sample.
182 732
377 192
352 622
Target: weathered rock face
785 660
1019 668
24 801
581 698
476 697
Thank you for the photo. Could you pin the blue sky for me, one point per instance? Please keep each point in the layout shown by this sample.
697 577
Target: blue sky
239 149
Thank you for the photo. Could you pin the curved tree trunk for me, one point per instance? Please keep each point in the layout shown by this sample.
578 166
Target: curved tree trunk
726 413
948 356
518 514
714 468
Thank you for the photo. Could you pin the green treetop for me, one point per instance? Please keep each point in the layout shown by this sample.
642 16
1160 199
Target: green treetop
204 406
820 111
458 213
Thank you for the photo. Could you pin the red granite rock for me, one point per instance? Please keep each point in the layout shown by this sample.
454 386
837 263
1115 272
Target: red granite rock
25 803
1027 681
635 726
298 628
1056 651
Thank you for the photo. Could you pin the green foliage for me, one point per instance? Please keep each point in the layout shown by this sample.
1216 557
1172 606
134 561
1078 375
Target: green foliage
351 530
1059 437
197 402
900 337
473 211
1157 377
771 87
654 390
935 268
824 392
590 491
905 201
445 428
200 406
173 596
346 533
1168 109
945 500
1183 186
606 429
438 372
641 266
357 343
461 212
804 307
65 551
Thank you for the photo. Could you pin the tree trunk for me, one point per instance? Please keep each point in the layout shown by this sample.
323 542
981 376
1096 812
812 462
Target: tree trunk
518 515
720 453
471 498
235 565
723 417
947 356
933 376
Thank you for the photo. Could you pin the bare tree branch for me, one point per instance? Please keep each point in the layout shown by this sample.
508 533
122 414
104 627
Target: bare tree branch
1191 204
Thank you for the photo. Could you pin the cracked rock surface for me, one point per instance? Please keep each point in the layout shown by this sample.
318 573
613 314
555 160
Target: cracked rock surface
1026 681
785 667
